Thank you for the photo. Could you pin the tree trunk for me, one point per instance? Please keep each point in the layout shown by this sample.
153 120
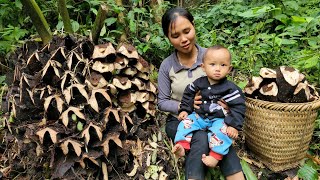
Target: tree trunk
121 21
63 11
38 20
157 11
98 23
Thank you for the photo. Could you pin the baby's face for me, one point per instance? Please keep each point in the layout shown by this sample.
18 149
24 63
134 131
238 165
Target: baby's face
216 64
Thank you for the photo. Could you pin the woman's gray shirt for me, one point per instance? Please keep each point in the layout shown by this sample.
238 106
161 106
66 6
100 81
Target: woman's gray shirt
173 79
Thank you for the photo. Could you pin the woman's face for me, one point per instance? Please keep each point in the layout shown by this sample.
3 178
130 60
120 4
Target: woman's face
182 35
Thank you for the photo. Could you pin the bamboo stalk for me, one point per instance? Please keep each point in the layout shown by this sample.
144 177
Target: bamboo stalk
157 10
121 21
98 23
38 20
63 11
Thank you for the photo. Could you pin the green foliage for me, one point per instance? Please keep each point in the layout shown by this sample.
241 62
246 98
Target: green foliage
147 35
214 174
315 146
10 37
247 171
11 22
10 13
2 80
140 28
261 34
3 88
309 171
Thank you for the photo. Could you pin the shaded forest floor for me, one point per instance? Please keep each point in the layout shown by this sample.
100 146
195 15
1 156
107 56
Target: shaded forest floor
260 171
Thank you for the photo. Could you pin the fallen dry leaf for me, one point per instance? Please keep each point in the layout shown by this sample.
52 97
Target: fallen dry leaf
68 92
105 171
52 133
73 59
86 156
65 115
55 65
115 138
125 116
93 101
86 134
163 176
135 168
59 102
76 146
115 113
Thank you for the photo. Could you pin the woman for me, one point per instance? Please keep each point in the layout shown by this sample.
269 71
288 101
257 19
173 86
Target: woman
175 73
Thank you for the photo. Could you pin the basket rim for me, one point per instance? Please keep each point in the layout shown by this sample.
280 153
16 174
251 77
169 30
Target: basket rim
313 105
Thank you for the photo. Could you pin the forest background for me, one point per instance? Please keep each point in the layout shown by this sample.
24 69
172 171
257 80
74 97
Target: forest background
259 33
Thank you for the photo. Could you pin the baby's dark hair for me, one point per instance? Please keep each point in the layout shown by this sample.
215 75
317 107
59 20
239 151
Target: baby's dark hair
171 15
216 47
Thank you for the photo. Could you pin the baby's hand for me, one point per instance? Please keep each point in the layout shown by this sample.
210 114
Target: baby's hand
232 132
183 115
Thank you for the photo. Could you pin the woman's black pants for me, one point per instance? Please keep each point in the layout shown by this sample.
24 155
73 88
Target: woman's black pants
194 168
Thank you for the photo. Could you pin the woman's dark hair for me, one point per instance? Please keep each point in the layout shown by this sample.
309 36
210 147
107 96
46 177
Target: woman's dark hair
171 15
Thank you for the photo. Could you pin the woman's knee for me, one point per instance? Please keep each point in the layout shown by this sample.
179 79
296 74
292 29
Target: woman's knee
171 129
200 140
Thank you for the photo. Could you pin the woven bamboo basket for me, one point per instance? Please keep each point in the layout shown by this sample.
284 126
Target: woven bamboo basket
278 134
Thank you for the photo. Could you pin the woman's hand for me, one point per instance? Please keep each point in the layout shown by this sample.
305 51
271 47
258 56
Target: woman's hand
224 105
232 132
197 100
182 115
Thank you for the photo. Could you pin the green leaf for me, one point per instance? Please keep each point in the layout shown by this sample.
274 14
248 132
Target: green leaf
312 43
311 62
79 126
130 15
6 45
282 17
139 10
257 11
18 4
94 11
103 30
277 41
75 26
292 4
154 156
247 14
309 19
279 27
269 20
297 19
288 41
110 21
227 31
2 79
214 174
132 26
145 48
307 173
247 171
17 33
242 84
74 117
59 25
245 41
11 118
